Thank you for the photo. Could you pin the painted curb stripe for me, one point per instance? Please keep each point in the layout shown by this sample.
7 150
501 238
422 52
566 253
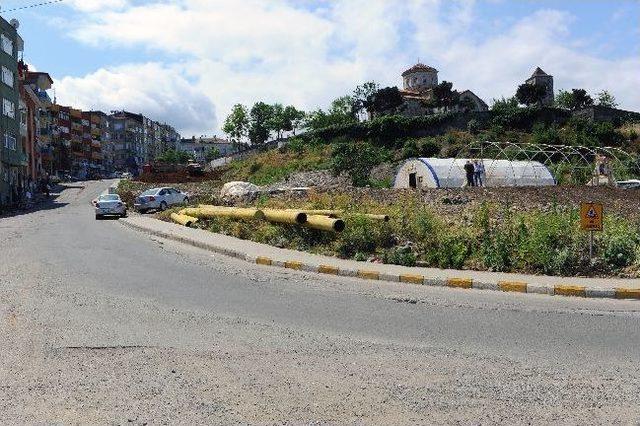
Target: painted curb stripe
466 283
264 261
293 265
412 279
513 286
460 282
369 275
627 293
325 269
570 290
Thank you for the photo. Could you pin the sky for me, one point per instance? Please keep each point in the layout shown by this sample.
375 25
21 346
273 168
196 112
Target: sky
187 62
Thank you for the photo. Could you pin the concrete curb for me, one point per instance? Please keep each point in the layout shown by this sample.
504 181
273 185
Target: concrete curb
560 289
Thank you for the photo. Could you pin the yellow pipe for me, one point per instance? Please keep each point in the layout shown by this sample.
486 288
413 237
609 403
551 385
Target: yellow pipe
183 219
208 212
382 217
285 216
324 223
329 213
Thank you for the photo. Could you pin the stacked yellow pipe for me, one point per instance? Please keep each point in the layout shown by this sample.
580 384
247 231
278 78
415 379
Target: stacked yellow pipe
183 219
329 213
208 212
291 217
325 223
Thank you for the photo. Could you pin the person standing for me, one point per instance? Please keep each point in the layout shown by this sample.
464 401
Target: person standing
478 172
470 171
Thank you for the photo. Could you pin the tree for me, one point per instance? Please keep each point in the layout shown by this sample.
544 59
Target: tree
294 118
278 122
259 123
564 99
173 156
362 97
340 113
531 94
606 99
386 100
444 96
505 105
237 123
581 99
212 154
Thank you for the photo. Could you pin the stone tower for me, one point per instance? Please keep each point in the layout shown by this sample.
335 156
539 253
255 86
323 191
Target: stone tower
541 78
419 78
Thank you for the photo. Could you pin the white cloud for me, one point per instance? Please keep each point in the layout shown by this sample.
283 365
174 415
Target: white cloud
159 92
308 53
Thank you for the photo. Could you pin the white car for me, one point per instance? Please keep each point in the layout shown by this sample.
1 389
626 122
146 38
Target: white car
160 199
109 205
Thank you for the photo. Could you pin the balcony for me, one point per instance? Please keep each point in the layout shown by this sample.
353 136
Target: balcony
96 144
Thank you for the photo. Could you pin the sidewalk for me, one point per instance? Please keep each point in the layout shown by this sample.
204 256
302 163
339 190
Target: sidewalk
272 256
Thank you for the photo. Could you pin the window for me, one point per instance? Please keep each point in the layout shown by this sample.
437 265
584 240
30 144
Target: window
10 142
8 108
7 76
63 116
7 44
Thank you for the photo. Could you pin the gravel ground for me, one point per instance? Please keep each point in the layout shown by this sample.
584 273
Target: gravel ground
102 325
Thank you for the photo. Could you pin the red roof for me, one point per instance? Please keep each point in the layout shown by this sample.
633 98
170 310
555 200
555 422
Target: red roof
419 68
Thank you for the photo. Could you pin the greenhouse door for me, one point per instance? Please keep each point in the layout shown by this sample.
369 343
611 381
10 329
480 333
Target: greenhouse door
412 180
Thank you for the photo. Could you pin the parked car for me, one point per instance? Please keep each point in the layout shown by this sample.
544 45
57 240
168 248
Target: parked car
109 205
160 199
126 175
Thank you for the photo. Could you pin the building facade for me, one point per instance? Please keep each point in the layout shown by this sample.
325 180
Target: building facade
33 91
13 159
199 147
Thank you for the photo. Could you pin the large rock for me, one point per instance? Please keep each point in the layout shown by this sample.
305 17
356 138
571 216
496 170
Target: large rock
236 190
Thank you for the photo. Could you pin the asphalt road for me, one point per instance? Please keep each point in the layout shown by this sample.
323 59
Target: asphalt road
101 324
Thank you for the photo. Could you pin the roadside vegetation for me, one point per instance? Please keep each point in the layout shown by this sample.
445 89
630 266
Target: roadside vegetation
489 236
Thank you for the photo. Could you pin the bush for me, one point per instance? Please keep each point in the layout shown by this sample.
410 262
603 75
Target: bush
358 159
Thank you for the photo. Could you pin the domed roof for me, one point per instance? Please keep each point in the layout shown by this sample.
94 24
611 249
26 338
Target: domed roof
419 67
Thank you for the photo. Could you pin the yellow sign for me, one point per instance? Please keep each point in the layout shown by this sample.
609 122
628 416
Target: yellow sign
591 216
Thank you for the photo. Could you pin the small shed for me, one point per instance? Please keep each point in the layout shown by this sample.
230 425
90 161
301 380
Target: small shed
450 173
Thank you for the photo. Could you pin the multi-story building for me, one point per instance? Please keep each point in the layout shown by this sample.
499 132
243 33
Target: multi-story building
138 140
199 147
13 160
34 100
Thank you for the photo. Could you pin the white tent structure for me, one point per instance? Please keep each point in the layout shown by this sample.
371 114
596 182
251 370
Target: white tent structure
450 173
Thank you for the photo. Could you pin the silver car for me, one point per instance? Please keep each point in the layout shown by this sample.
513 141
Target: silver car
160 199
109 205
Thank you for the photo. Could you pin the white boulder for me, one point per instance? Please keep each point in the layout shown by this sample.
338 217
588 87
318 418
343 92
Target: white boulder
234 190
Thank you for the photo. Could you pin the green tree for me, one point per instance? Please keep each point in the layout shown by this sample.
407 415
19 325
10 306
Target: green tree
340 113
278 122
212 154
606 99
362 97
444 96
505 105
260 118
294 118
581 99
237 123
386 101
173 156
358 159
564 99
531 94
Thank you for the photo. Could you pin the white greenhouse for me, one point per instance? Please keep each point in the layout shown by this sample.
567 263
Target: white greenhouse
450 173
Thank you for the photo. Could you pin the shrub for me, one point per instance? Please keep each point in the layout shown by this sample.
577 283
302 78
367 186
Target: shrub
358 159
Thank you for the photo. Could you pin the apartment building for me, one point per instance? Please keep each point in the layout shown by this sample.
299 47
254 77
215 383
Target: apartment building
34 102
13 160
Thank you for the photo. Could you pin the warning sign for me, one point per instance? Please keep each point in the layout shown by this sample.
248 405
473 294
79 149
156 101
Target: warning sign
591 216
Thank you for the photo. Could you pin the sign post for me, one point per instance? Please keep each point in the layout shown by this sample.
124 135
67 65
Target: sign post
592 220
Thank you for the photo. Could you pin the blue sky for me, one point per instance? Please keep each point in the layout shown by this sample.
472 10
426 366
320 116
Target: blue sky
188 61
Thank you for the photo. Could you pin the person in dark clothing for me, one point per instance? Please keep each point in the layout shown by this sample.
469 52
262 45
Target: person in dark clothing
470 171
